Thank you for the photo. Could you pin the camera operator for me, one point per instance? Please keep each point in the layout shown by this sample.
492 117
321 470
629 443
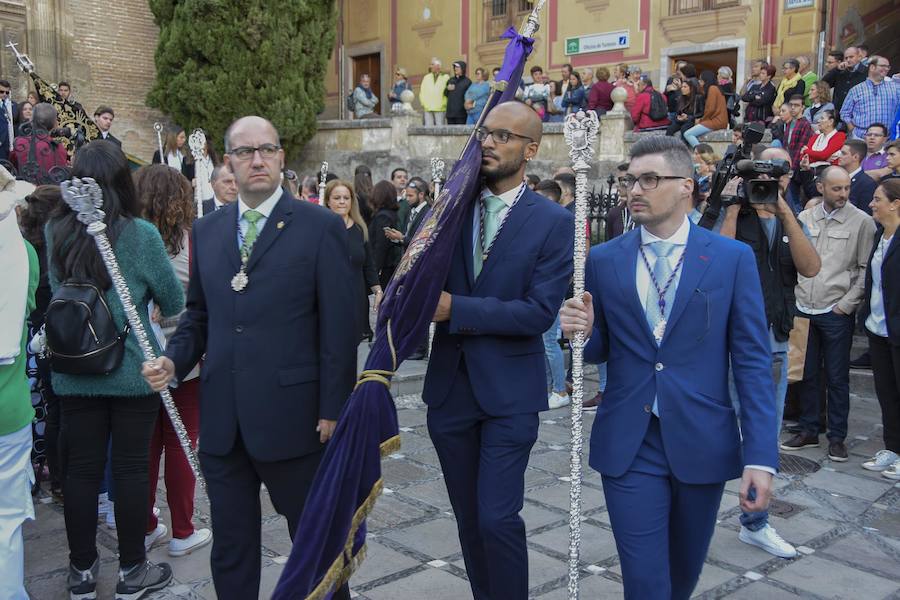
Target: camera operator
782 249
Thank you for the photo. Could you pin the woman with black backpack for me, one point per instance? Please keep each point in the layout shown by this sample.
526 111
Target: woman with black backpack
96 369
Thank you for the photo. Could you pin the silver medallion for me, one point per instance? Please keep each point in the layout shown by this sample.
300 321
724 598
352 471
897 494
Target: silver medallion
660 331
239 281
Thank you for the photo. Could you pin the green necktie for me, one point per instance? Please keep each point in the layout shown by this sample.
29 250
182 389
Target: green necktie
251 216
493 205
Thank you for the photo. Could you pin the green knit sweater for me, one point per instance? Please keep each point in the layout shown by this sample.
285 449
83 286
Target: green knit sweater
147 270
15 395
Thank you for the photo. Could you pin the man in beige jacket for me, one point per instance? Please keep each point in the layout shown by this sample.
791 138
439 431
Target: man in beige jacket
843 237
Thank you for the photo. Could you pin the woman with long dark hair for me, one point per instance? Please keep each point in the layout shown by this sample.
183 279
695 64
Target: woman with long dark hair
880 313
575 99
177 154
363 187
39 205
340 199
168 203
117 406
715 110
385 253
690 107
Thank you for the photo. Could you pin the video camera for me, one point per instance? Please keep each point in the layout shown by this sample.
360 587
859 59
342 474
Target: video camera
760 191
727 169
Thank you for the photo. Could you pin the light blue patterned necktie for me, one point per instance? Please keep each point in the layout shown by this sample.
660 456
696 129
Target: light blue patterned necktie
661 273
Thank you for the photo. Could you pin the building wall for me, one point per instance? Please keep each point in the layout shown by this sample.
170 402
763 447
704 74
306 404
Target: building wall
409 33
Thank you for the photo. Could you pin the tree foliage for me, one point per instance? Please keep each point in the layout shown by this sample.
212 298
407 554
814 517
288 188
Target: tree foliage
218 60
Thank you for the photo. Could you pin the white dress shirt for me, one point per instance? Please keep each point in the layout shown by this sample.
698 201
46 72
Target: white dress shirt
508 197
876 322
265 209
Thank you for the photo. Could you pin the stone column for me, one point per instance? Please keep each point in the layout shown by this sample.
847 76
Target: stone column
612 136
44 38
400 125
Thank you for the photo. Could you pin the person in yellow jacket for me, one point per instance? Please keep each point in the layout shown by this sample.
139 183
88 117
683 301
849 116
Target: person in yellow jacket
431 94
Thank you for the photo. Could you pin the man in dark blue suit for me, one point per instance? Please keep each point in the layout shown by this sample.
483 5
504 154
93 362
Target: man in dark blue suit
677 304
268 304
486 381
9 114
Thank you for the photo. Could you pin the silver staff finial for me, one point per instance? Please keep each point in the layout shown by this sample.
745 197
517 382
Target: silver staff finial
22 59
532 23
85 198
580 130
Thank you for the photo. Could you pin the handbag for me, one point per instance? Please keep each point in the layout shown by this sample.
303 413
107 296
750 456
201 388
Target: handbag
797 343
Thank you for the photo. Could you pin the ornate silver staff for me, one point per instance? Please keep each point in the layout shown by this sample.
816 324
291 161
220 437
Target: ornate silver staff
85 197
580 131
159 127
197 143
437 175
323 173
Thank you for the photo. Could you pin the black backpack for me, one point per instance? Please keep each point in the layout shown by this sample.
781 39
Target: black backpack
82 338
659 110
350 101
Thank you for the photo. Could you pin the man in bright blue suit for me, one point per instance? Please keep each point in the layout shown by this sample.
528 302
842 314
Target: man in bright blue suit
668 305
486 379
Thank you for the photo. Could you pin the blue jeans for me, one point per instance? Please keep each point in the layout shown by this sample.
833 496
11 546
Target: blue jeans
830 336
601 376
757 520
691 135
556 366
472 118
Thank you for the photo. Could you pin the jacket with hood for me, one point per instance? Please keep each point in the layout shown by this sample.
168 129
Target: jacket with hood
456 98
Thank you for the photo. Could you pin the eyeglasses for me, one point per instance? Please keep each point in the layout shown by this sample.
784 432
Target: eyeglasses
289 175
874 134
883 65
648 181
247 152
501 136
4 92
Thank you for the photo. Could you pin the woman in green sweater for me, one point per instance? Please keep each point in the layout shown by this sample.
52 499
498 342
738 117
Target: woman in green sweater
19 266
119 406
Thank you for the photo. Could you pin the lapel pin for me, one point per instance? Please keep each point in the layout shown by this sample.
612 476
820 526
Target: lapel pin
280 225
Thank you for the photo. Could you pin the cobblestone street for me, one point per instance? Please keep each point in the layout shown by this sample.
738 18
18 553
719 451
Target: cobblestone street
845 520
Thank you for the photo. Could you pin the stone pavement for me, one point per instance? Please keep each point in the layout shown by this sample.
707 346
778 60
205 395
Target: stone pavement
846 521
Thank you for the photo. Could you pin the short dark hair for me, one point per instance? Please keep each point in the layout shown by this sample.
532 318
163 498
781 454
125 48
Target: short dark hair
837 55
769 69
796 97
536 69
533 179
63 83
103 110
863 48
397 170
550 189
793 62
857 148
420 185
882 126
622 167
568 66
5 83
566 181
672 149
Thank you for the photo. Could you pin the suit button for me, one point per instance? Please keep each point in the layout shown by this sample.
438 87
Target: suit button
647 408
659 366
238 329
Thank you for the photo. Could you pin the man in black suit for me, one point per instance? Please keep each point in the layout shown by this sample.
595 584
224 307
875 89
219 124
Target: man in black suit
65 92
103 117
9 112
269 301
224 187
862 187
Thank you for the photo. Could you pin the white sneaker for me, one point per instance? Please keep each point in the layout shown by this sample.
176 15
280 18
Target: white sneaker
881 461
152 537
111 516
893 471
769 540
198 539
557 400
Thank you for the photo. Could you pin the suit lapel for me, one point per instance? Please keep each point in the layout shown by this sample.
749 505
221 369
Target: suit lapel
275 224
891 248
468 250
626 269
517 216
696 261
229 235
